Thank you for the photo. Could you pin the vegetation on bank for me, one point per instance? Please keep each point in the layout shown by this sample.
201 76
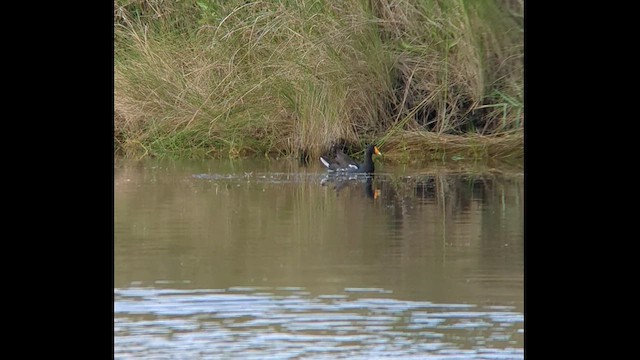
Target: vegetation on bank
424 79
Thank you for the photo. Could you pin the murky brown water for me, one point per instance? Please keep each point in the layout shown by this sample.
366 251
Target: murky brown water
265 259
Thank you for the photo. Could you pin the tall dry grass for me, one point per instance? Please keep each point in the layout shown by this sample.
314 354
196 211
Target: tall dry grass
233 78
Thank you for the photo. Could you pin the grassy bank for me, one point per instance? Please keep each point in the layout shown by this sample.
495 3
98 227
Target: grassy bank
423 79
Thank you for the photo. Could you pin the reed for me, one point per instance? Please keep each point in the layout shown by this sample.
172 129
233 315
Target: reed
212 78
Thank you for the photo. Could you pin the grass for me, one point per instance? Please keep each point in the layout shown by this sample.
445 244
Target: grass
421 146
211 78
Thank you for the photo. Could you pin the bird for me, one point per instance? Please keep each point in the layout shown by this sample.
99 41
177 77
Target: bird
343 163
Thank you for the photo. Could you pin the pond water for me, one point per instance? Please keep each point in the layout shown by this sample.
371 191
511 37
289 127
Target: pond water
272 260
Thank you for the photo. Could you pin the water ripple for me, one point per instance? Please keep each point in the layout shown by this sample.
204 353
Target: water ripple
275 323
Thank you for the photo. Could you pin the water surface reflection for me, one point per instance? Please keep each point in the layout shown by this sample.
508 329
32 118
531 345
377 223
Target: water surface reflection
289 323
221 259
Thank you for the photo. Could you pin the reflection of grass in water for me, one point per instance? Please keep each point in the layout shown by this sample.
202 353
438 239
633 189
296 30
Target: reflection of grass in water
261 231
448 197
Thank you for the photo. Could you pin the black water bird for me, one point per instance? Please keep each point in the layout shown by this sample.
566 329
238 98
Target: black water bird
343 163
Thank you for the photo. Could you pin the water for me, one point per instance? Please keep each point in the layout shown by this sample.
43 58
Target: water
269 260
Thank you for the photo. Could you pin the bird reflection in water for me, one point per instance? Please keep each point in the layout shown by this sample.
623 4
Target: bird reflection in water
340 181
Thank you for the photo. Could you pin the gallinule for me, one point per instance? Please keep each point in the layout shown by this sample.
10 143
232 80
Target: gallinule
343 163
